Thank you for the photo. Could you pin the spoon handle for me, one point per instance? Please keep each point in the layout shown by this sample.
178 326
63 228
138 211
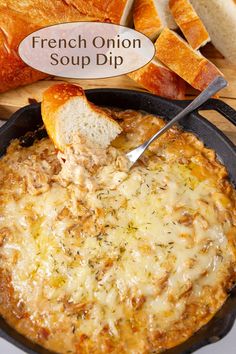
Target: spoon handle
212 89
215 86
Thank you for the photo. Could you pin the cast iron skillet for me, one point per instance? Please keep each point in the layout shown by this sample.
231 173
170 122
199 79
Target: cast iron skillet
28 119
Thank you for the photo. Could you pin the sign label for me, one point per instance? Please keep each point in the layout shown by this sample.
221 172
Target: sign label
86 50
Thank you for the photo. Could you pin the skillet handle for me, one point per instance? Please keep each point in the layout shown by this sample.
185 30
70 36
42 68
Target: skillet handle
215 105
222 108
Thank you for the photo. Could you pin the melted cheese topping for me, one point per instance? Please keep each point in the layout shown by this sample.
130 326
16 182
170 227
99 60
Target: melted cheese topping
145 242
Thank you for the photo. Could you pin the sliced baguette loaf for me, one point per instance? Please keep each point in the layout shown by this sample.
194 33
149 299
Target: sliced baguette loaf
189 22
189 64
160 80
219 17
66 112
19 18
151 16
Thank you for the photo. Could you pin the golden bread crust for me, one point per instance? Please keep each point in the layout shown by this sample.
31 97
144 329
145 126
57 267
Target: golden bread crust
19 19
146 18
189 22
160 80
105 11
188 64
13 71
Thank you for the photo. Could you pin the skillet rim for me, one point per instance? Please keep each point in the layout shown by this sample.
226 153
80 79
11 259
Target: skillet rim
224 319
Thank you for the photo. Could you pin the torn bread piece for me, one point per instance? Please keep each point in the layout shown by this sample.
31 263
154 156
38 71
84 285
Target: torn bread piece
159 80
67 112
151 16
178 56
189 22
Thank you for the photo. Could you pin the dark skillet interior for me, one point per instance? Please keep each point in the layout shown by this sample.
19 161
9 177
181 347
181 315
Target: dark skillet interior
28 119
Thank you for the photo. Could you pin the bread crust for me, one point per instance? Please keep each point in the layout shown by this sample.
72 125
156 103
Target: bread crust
43 13
106 11
17 20
13 71
146 18
189 22
178 56
160 80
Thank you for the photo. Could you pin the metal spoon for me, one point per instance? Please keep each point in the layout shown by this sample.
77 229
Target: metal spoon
215 86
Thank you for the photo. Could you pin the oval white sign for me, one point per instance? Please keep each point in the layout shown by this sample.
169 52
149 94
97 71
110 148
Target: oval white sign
86 50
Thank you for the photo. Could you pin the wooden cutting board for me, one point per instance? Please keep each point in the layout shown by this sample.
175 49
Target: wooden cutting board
13 100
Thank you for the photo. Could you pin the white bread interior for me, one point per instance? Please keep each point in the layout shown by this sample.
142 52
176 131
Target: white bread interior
165 14
219 17
77 116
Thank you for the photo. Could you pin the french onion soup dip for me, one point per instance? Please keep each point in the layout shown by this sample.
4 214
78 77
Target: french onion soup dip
97 258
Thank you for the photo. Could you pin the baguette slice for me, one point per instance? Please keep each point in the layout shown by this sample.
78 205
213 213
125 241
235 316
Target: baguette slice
66 111
219 17
190 24
189 64
160 80
146 18
151 16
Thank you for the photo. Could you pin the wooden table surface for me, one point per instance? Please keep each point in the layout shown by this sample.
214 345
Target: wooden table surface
13 100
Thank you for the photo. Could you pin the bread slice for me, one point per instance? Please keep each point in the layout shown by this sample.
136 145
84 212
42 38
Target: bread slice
160 80
178 56
146 18
189 22
66 112
219 17
151 16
